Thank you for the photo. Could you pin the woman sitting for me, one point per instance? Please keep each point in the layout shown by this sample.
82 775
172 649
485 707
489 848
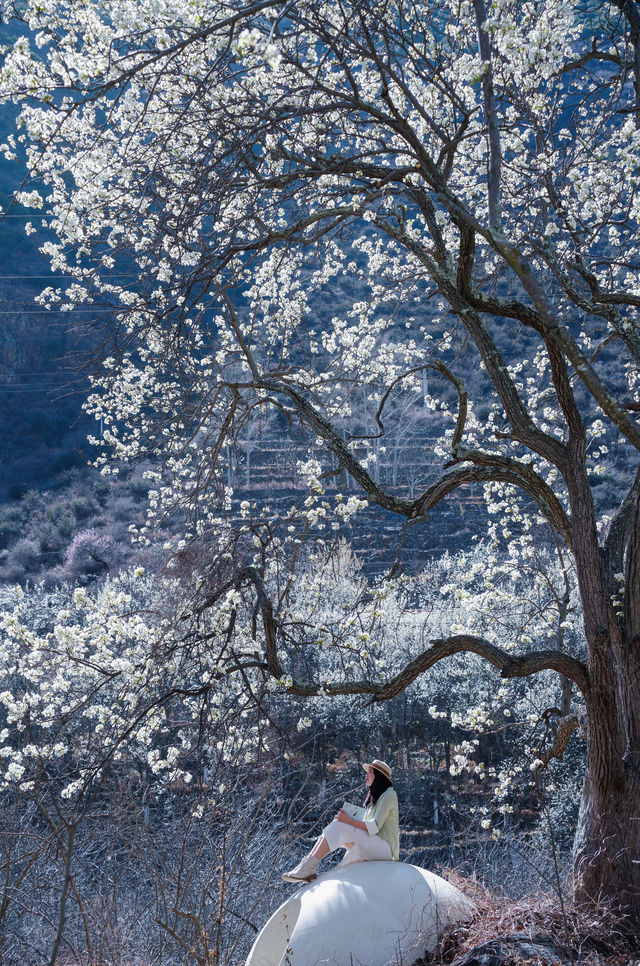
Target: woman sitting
375 837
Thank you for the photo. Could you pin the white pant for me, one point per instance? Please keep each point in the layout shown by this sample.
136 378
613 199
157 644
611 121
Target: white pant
365 847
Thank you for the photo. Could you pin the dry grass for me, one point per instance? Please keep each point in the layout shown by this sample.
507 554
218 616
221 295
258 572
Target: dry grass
586 936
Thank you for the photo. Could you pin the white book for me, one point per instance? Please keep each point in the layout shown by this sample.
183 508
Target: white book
353 811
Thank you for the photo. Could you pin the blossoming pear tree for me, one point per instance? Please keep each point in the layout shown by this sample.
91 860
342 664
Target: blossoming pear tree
466 172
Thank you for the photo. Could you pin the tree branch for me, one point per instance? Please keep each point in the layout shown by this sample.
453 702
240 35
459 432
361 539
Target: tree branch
551 328
631 11
512 308
523 425
462 402
616 539
251 574
338 447
495 153
437 366
510 666
491 468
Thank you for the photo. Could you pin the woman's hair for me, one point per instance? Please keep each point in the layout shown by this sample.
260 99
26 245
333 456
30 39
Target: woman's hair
379 785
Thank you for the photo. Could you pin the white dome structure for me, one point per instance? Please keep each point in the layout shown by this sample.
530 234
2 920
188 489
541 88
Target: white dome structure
367 913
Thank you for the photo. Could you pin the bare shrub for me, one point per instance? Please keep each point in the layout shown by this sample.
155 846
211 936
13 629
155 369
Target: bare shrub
589 935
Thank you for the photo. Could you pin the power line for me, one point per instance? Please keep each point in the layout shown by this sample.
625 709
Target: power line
54 373
67 376
17 306
62 278
21 312
43 389
7 385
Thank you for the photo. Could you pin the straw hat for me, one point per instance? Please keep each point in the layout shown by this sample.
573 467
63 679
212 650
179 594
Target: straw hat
380 766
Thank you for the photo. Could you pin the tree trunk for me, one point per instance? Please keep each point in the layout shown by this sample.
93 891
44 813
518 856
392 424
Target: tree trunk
606 849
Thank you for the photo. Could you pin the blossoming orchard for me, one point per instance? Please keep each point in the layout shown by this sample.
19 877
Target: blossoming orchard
464 173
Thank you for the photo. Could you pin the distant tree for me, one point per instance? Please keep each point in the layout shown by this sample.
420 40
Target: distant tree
90 552
214 169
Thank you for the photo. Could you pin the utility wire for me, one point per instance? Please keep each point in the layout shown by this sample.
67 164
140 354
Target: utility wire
45 389
99 314
62 278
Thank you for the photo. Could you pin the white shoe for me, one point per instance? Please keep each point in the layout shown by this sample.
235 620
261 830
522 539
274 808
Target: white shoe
305 871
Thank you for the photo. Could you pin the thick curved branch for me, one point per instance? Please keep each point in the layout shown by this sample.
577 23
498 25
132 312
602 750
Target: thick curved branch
489 469
510 666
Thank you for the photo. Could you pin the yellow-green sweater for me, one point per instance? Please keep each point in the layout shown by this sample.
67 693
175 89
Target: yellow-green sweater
383 819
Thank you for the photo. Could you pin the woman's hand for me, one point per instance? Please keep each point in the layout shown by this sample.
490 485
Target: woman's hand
343 816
